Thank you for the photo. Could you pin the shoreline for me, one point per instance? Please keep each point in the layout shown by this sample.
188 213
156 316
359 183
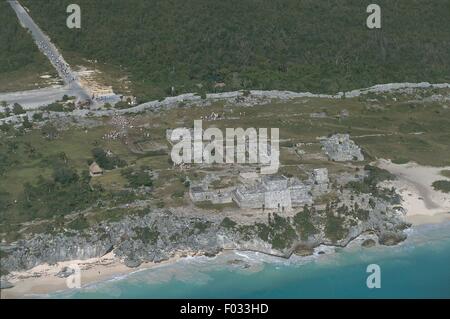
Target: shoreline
422 204
42 280
419 219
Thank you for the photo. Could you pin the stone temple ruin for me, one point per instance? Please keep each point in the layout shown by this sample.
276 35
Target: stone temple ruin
273 192
264 157
267 192
203 194
340 148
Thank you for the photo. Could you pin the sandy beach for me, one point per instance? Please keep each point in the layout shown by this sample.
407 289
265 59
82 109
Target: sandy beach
42 279
422 205
421 202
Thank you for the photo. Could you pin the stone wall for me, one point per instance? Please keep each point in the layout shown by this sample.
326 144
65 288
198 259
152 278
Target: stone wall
275 182
278 199
300 195
248 199
273 192
320 181
221 197
199 194
320 175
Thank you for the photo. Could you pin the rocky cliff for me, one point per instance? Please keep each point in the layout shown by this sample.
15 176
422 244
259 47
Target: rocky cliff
161 234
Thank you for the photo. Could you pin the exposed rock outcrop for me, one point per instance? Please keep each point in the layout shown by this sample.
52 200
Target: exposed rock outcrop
65 272
159 235
390 238
368 243
4 284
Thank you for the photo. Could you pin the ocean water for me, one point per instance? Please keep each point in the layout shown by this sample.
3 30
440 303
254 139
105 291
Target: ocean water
418 268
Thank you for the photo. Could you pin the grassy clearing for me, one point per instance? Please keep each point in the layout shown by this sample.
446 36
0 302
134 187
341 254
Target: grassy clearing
382 133
111 180
27 79
445 173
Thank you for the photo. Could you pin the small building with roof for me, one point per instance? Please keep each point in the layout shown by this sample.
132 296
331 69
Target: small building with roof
95 170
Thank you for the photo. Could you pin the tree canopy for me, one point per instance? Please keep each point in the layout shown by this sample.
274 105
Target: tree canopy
299 45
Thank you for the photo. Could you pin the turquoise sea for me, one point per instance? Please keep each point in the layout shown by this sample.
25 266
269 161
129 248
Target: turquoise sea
418 268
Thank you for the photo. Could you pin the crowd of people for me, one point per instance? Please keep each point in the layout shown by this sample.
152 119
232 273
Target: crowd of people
59 64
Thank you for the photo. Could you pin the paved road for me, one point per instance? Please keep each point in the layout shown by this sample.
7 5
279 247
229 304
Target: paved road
48 48
34 99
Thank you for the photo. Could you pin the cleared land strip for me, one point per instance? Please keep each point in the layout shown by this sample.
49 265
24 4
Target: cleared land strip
49 49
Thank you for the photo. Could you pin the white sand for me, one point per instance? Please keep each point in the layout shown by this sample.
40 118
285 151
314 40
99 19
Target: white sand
41 279
422 203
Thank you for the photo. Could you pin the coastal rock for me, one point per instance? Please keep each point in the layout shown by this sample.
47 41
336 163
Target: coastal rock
368 243
132 263
46 248
65 272
4 284
391 238
163 234
302 250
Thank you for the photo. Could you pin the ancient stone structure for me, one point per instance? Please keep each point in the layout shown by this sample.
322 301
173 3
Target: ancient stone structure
320 175
203 194
266 191
249 196
247 177
341 148
199 194
273 192
300 192
221 197
320 181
